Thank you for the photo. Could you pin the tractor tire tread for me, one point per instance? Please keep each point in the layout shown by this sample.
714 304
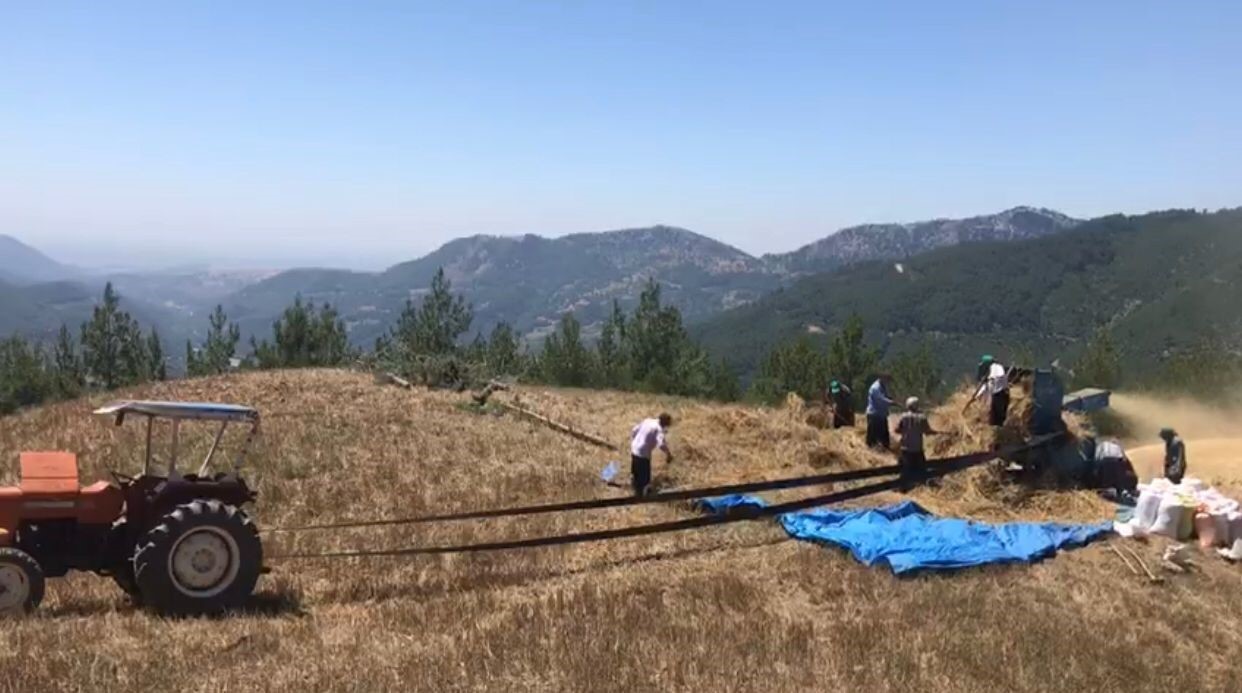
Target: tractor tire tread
150 559
34 572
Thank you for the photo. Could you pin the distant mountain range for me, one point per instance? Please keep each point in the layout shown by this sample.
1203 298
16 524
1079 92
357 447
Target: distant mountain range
1162 282
528 281
891 241
21 264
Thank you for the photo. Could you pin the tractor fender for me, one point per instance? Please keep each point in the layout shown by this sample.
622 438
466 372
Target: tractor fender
10 513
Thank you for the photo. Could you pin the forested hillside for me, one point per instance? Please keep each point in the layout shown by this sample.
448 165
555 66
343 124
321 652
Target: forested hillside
1159 285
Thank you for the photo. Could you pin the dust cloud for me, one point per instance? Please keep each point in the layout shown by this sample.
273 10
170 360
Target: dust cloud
1145 416
1213 434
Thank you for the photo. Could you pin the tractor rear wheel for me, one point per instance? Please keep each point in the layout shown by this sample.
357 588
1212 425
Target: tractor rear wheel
21 583
122 571
204 557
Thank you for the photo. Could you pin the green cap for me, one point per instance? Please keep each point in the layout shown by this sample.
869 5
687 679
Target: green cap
834 387
987 358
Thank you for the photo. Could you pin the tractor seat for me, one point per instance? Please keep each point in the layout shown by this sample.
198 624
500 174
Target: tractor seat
49 474
99 488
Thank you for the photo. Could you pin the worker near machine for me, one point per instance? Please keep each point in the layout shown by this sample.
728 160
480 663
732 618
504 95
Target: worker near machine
840 400
912 427
878 402
645 438
1174 455
1113 471
994 382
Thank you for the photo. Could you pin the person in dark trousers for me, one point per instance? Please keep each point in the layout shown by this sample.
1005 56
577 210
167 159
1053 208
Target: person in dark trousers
840 400
912 427
878 402
1174 455
645 438
994 382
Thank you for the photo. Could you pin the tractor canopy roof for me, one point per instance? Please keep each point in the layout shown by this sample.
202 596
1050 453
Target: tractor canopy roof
199 411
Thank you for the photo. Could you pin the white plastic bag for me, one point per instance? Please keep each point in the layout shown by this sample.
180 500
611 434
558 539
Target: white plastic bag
1147 508
610 472
1169 517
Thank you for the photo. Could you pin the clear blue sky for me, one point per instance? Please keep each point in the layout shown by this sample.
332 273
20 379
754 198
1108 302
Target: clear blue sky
362 133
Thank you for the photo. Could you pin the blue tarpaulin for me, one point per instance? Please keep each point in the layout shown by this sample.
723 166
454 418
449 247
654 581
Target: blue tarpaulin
908 538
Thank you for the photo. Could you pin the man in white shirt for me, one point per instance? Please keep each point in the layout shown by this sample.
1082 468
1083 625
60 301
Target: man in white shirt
994 381
646 438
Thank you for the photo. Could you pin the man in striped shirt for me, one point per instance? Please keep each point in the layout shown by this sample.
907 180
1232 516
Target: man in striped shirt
912 427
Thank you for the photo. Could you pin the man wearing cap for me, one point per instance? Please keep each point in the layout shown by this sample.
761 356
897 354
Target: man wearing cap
878 403
840 400
993 381
912 427
1174 455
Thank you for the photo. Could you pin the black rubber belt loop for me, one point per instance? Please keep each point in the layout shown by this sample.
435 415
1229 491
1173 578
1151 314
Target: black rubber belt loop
949 466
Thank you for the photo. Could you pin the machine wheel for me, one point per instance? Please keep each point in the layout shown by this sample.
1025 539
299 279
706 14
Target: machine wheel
203 557
21 583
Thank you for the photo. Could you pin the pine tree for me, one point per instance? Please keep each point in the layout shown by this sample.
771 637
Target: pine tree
304 337
114 352
66 364
477 351
565 361
135 353
796 367
850 360
434 327
613 366
503 352
156 369
193 365
219 348
101 341
724 384
23 378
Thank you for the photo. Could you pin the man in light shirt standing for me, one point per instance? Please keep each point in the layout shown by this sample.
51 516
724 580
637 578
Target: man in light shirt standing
646 438
994 381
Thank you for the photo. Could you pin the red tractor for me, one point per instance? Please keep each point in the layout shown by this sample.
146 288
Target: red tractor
178 543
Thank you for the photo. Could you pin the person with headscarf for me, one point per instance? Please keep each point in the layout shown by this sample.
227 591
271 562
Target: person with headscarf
1174 455
878 402
841 402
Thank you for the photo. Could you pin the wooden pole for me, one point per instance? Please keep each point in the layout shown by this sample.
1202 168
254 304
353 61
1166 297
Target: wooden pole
1124 560
555 425
1150 575
398 380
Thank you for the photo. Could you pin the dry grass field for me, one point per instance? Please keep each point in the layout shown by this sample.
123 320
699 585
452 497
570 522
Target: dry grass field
732 608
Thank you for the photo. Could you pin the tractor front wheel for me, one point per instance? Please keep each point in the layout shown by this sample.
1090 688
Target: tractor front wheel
21 583
204 557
